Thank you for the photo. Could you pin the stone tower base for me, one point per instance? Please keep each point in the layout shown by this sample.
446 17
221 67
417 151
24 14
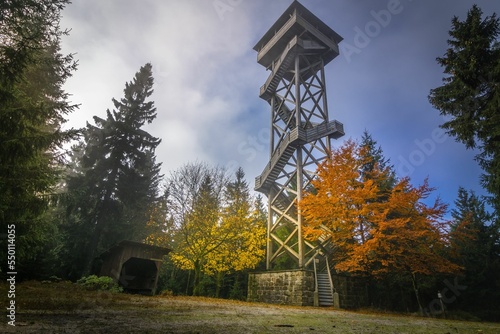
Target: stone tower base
291 287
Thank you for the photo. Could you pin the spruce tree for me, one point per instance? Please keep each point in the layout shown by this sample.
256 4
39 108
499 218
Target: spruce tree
237 195
117 176
475 245
33 107
470 93
375 166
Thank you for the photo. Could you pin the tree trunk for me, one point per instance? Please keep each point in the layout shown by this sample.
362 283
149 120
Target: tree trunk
415 288
95 241
197 278
188 281
235 289
101 221
220 279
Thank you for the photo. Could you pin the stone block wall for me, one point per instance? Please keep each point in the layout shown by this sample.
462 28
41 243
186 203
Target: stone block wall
292 287
353 291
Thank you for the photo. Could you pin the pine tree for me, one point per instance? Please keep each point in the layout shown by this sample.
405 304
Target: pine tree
160 226
375 166
475 245
470 93
33 106
117 176
260 210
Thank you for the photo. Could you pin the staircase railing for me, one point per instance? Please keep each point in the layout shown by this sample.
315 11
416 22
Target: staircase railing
316 289
329 275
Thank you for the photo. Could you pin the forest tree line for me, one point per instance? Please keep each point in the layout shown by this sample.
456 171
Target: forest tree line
69 206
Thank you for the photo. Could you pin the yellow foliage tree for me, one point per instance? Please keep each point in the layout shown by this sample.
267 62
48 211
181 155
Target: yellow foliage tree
244 248
218 239
201 233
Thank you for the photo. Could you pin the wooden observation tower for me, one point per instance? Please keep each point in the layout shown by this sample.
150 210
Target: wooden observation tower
295 50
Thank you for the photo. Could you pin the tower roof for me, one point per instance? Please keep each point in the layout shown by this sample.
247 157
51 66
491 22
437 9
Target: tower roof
307 15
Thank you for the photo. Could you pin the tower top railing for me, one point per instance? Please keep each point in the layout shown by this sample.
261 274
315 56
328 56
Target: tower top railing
296 21
297 9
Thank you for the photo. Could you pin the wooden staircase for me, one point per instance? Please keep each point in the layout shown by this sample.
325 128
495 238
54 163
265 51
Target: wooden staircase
325 289
289 143
324 284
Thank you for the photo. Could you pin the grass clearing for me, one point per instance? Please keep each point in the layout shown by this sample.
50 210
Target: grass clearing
68 308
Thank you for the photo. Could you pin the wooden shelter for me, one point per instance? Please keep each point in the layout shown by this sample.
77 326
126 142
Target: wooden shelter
133 265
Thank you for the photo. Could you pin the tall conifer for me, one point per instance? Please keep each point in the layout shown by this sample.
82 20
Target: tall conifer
33 107
118 177
470 93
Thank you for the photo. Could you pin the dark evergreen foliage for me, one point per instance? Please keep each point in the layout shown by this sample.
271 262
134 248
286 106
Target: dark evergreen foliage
115 177
377 160
476 247
470 93
33 106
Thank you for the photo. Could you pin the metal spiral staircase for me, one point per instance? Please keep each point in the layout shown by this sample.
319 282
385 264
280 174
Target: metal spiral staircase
295 50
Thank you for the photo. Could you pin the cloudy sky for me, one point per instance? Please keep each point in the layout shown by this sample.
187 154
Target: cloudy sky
207 78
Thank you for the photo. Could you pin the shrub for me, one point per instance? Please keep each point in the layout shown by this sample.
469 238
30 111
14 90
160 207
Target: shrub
167 293
103 283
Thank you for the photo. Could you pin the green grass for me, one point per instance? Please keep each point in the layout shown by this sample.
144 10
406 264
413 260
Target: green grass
65 307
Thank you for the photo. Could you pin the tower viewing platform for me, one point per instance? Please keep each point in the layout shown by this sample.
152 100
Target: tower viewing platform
297 23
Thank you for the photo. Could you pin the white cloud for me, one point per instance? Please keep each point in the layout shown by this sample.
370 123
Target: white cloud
207 79
195 65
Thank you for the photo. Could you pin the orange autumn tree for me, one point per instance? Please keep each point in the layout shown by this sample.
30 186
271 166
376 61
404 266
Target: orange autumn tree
379 226
341 201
